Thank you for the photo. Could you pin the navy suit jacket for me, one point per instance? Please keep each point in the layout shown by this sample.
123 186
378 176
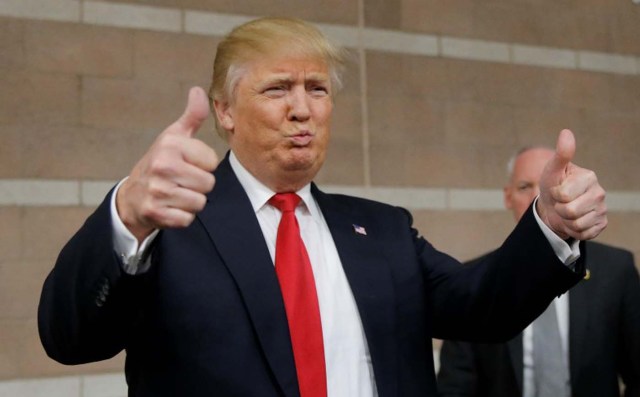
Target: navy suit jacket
208 318
604 339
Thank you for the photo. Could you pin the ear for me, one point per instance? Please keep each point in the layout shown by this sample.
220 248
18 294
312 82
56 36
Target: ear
224 114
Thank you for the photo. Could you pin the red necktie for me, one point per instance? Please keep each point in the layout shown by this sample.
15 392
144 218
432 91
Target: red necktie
300 299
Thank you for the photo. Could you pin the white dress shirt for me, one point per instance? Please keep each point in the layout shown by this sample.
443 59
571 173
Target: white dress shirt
528 376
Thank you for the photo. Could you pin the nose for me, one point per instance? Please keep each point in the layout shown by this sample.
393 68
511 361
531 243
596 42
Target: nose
299 109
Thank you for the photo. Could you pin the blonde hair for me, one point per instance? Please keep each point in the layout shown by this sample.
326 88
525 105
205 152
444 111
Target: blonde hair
268 36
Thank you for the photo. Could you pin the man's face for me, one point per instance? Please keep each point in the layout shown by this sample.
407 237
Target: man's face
279 121
524 186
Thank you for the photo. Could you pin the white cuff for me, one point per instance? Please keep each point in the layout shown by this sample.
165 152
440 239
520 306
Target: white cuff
567 253
135 259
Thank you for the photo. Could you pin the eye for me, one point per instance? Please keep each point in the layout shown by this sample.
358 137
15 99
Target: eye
318 90
523 188
275 91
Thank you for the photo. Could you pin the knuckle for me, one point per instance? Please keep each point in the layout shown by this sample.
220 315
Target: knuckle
200 202
152 214
570 211
210 183
157 190
159 165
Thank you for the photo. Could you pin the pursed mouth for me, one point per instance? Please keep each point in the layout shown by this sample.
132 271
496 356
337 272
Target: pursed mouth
301 139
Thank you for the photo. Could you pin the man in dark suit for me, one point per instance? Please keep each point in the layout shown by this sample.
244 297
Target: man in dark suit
600 323
181 274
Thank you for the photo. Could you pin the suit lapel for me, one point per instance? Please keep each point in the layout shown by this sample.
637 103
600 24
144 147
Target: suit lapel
234 230
370 281
579 321
516 355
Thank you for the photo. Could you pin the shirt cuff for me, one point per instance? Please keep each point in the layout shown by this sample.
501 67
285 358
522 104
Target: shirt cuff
135 257
568 253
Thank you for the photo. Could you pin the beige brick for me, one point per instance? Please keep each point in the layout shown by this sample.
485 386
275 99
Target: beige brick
11 151
405 120
79 49
132 16
476 199
343 165
433 16
464 234
461 166
394 41
625 28
470 122
351 84
28 98
31 192
81 152
544 56
11 346
526 22
10 234
12 53
20 285
42 387
625 94
603 26
343 35
621 201
345 158
104 385
171 57
45 230
540 125
408 75
477 50
57 10
333 11
608 63
137 105
22 354
622 231
385 14
346 122
608 145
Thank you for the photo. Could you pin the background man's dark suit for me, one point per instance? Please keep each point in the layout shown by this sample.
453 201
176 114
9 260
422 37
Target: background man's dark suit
604 339
208 318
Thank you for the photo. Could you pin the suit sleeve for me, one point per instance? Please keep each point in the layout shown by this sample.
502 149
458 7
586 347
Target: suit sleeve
493 300
629 348
457 376
88 306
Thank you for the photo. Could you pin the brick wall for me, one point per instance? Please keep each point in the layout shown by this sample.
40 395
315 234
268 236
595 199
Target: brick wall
437 97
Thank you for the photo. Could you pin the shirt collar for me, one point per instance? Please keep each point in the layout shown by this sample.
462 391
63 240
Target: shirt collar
259 194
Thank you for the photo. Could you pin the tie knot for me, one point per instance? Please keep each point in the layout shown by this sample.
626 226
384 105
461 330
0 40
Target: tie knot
285 202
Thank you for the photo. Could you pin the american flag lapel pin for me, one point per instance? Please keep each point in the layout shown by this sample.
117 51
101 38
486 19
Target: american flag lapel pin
359 229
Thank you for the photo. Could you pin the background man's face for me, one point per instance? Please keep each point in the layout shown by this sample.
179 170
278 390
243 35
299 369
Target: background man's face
523 186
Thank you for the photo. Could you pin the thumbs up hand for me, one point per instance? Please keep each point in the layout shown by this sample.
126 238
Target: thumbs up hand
167 187
571 200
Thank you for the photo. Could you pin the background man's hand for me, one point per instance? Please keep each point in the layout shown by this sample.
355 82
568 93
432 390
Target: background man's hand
167 187
571 200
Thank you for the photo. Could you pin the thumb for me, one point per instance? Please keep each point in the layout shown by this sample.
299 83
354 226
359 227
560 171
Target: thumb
565 151
195 113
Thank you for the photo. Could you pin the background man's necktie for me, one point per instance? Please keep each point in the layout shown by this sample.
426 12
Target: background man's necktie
551 371
300 299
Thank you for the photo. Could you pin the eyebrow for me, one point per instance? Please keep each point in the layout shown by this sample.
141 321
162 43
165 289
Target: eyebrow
288 79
